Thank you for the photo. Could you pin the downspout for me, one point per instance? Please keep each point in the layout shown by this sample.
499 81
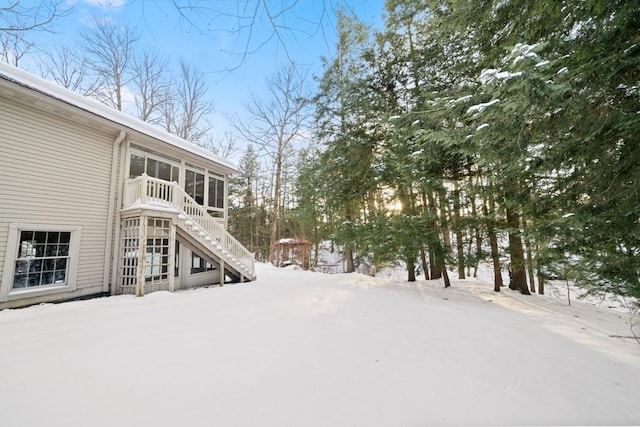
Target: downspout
112 215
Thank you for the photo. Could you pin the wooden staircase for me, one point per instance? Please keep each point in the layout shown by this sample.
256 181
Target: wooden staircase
191 225
235 264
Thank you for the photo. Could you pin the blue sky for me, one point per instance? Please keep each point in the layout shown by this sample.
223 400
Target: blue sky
211 37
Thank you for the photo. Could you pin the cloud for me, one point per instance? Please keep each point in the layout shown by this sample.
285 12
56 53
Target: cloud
105 4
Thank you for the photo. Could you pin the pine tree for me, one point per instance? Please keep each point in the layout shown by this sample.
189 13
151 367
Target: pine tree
347 134
247 213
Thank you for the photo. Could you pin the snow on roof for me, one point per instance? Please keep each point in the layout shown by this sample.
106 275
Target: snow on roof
52 90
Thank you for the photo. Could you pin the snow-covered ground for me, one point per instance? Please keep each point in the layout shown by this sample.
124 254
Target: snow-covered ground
297 348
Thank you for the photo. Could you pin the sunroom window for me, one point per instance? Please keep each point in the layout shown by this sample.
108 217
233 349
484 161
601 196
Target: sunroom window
194 185
140 163
216 192
207 190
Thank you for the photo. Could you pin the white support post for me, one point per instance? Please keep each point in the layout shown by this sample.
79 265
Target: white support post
172 254
142 254
221 272
144 183
175 199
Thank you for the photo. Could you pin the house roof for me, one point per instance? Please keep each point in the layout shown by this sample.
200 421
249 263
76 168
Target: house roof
52 90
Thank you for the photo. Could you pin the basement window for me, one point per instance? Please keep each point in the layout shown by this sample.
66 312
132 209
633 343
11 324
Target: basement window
41 258
200 265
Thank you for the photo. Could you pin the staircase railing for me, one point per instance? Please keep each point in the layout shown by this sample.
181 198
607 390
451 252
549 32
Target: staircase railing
156 193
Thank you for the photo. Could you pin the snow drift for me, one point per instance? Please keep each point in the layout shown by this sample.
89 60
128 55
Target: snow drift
301 348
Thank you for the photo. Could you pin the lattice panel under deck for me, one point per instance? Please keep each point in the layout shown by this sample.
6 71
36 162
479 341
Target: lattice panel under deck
129 251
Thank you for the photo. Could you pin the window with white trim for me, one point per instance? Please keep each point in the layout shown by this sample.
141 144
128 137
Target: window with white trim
207 189
43 258
157 256
40 259
194 185
216 192
154 166
200 265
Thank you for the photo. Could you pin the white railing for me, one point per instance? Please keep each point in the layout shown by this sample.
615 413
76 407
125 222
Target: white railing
156 193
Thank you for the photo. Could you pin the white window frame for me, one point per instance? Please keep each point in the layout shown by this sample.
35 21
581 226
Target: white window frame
7 292
207 203
225 189
147 155
205 186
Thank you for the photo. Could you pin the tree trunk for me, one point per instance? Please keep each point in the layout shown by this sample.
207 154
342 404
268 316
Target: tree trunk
407 198
444 223
442 264
434 266
495 259
493 243
411 270
540 284
436 271
445 275
530 274
476 230
349 266
316 240
468 255
458 227
275 208
540 274
517 275
423 260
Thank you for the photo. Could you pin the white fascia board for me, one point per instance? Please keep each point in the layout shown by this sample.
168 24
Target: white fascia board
52 90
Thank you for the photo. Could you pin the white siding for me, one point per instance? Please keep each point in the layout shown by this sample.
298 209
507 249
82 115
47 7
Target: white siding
57 172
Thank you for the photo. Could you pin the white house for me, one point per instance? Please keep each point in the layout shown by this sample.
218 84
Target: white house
96 202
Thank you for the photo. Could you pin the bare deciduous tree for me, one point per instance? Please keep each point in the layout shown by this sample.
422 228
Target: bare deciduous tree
224 146
150 85
109 48
14 45
187 108
67 69
16 16
18 21
275 125
259 23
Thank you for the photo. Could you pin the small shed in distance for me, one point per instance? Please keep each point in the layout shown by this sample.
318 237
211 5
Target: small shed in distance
293 251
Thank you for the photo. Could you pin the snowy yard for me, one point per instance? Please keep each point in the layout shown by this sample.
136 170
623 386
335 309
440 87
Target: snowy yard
304 349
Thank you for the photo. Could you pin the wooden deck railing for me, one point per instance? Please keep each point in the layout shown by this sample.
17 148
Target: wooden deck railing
156 193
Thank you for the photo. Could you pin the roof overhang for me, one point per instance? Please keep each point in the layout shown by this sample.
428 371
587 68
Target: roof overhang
66 98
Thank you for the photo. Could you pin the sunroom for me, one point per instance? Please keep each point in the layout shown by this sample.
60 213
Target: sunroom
173 225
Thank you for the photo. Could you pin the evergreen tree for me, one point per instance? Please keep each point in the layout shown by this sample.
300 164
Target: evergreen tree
247 212
347 133
488 118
